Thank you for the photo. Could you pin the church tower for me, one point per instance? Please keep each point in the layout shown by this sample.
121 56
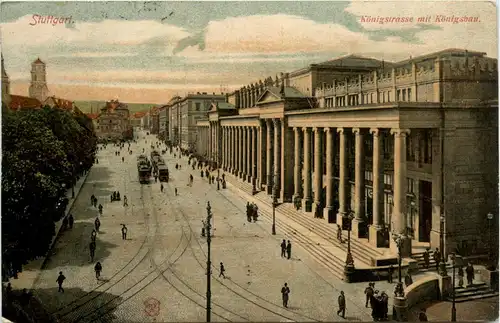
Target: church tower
5 86
38 87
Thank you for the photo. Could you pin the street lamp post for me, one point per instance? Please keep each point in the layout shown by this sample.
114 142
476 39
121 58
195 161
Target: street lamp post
399 290
218 179
254 189
273 228
209 264
453 308
490 242
442 265
412 208
349 262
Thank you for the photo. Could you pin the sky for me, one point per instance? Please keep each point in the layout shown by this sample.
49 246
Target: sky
146 52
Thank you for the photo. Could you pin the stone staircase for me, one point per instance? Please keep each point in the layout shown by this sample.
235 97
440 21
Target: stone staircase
360 250
238 183
478 290
419 257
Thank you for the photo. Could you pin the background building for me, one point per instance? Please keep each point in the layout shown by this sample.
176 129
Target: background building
114 122
38 86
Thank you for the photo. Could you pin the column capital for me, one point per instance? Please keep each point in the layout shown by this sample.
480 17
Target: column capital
340 130
400 132
306 129
317 129
376 132
328 129
358 131
276 121
269 122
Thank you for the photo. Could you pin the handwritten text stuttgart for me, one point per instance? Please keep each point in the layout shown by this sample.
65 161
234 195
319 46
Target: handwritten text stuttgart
424 19
45 20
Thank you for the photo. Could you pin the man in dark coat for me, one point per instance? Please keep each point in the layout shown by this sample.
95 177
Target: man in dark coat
60 279
368 293
390 273
288 250
71 220
92 247
470 274
285 292
283 248
341 305
437 258
426 258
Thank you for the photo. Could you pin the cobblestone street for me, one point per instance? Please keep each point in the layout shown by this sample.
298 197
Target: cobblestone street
164 256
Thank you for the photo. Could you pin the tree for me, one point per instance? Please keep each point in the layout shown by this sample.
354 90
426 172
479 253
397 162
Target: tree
42 150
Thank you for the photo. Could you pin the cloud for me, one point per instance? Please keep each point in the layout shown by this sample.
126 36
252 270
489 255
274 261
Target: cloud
20 33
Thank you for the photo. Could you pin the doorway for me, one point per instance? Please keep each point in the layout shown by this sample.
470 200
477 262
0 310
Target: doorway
425 211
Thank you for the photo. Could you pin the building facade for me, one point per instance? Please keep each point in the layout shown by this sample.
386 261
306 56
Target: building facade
114 122
184 114
6 98
407 148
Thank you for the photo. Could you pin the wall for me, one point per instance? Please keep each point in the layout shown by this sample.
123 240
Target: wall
302 83
424 289
471 176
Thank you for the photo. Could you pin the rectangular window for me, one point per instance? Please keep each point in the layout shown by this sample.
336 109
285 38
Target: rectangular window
389 96
398 95
404 95
371 97
409 95
197 105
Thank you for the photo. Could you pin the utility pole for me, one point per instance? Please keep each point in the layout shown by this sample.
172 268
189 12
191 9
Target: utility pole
209 264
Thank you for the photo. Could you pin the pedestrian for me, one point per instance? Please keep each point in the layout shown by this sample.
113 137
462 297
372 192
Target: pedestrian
60 279
92 247
437 258
285 294
368 293
156 179
161 187
175 191
123 159
390 273
460 277
408 279
97 224
385 305
92 198
422 316
283 248
65 223
339 233
98 269
222 270
93 235
71 220
426 258
124 232
341 305
125 200
289 250
100 209
470 274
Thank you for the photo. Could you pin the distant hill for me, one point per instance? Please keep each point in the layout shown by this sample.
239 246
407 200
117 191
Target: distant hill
96 106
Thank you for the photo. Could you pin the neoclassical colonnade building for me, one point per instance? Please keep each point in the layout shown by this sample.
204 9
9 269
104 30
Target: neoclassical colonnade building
408 147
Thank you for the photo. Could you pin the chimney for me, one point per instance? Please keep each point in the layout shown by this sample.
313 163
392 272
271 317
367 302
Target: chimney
227 98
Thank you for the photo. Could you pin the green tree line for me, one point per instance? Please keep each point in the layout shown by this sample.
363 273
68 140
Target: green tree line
44 151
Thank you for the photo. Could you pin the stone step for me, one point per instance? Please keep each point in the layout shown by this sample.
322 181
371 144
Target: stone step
334 264
314 225
476 291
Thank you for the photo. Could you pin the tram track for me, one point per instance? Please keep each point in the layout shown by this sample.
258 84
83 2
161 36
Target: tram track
280 312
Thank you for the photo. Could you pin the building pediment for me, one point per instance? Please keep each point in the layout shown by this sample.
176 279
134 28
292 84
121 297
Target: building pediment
268 96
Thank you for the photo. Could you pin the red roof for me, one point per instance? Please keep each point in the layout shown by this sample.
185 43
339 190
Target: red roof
19 101
62 103
93 115
139 114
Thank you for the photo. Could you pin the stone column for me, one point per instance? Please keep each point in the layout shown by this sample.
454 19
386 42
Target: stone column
398 217
238 151
269 156
359 225
261 158
318 170
297 170
307 201
375 236
249 154
343 176
330 154
209 142
277 155
242 151
233 151
253 154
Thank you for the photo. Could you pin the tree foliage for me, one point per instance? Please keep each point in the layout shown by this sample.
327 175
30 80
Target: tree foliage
43 151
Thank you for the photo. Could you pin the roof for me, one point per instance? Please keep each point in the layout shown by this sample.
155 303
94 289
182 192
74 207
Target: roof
445 52
19 101
354 61
290 92
38 61
114 104
92 115
217 106
139 114
60 103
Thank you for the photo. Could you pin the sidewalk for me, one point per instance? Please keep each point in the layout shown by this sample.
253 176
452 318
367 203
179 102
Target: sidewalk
31 271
